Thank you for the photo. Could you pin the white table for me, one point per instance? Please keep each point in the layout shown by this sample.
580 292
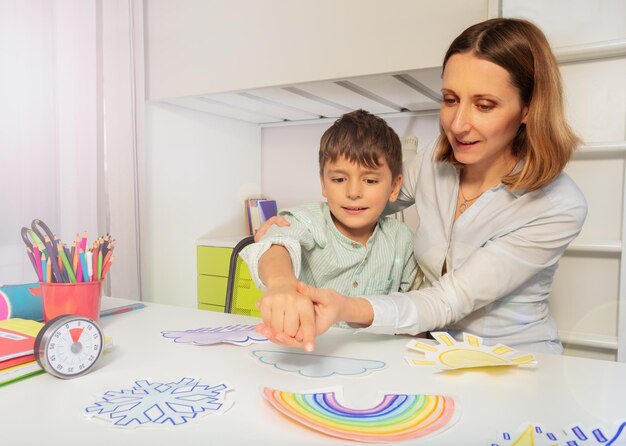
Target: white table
46 410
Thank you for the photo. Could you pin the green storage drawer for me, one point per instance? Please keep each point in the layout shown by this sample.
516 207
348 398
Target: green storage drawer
208 307
246 295
244 272
213 260
212 290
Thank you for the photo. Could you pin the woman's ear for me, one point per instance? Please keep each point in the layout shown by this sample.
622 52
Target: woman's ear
524 114
395 188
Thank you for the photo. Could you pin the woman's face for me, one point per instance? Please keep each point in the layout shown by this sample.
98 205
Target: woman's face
481 110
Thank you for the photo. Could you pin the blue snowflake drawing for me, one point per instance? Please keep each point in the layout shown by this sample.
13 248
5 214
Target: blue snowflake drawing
160 403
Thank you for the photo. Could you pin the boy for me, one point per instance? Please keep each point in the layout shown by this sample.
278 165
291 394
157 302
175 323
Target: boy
343 244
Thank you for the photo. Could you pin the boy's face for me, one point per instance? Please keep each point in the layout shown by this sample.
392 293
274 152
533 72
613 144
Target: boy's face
357 195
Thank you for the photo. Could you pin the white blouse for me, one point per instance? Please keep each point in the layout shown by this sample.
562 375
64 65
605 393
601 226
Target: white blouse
501 255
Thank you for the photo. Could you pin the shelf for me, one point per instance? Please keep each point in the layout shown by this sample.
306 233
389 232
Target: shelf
386 94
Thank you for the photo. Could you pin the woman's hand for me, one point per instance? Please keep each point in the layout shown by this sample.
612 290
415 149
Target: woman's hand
275 220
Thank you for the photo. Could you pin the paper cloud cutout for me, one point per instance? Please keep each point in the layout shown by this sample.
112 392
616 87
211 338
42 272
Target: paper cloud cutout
318 366
238 334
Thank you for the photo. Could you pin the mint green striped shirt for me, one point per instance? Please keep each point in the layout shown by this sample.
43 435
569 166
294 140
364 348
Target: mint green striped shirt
325 258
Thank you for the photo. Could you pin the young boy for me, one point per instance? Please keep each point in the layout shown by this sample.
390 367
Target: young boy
343 244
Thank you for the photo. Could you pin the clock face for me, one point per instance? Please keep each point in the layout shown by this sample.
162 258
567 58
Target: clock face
68 346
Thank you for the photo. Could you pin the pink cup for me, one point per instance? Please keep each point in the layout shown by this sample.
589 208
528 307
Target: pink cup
81 298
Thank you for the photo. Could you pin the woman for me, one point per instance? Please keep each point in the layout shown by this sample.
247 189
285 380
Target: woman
496 211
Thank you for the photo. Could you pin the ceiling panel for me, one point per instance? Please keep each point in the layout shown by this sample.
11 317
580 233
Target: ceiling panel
397 92
415 90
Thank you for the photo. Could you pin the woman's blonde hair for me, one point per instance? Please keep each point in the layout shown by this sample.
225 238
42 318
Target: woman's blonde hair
546 142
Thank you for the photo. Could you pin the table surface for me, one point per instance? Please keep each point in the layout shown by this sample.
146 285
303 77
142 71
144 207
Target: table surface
558 392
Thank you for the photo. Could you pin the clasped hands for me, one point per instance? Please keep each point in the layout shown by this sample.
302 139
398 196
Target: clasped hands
294 313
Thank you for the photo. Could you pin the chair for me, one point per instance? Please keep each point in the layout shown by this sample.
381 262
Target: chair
233 272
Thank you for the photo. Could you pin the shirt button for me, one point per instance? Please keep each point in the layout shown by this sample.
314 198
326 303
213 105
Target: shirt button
355 245
355 284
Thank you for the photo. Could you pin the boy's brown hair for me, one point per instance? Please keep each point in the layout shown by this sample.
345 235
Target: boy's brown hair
362 138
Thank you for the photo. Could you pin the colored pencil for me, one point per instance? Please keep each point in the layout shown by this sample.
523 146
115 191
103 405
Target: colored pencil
66 263
107 266
83 265
53 259
112 311
37 258
44 268
99 265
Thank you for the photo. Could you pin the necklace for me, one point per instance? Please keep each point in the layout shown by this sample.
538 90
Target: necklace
466 201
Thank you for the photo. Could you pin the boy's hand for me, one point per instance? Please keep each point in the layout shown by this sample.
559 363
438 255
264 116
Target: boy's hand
275 220
288 316
327 305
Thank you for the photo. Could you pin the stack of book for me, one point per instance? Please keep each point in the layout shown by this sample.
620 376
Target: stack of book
17 342
258 211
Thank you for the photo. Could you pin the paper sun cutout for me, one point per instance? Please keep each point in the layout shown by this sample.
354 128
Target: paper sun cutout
450 354
394 418
317 366
238 334
152 403
536 435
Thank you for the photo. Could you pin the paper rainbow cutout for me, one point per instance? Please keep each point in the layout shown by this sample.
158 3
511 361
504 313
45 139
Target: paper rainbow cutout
397 417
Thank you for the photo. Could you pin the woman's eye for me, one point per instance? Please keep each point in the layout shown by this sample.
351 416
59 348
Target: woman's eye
484 107
449 101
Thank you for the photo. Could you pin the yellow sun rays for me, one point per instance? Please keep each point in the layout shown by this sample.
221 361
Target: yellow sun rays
450 354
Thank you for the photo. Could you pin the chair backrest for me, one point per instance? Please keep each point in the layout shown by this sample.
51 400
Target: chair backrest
233 271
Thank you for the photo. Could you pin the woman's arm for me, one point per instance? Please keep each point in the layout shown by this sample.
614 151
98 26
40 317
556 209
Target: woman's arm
496 269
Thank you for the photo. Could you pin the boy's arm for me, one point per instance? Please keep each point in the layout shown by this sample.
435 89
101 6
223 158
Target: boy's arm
283 309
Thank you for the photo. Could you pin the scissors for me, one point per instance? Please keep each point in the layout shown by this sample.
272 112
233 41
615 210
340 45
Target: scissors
35 236
31 239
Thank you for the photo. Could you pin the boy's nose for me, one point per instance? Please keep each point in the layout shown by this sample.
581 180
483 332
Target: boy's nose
354 190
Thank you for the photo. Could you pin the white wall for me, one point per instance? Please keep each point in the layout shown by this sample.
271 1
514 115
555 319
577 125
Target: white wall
199 167
586 293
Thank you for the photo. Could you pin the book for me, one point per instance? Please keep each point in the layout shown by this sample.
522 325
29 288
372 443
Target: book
17 339
19 372
258 211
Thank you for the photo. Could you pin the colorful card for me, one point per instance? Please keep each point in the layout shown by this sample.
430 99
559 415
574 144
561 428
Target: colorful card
450 354
393 417
238 334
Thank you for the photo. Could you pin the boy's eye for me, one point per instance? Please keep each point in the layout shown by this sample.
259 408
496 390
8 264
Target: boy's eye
371 181
337 180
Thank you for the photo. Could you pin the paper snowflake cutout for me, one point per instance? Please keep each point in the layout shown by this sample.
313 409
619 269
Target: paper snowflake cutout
450 354
238 334
160 403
